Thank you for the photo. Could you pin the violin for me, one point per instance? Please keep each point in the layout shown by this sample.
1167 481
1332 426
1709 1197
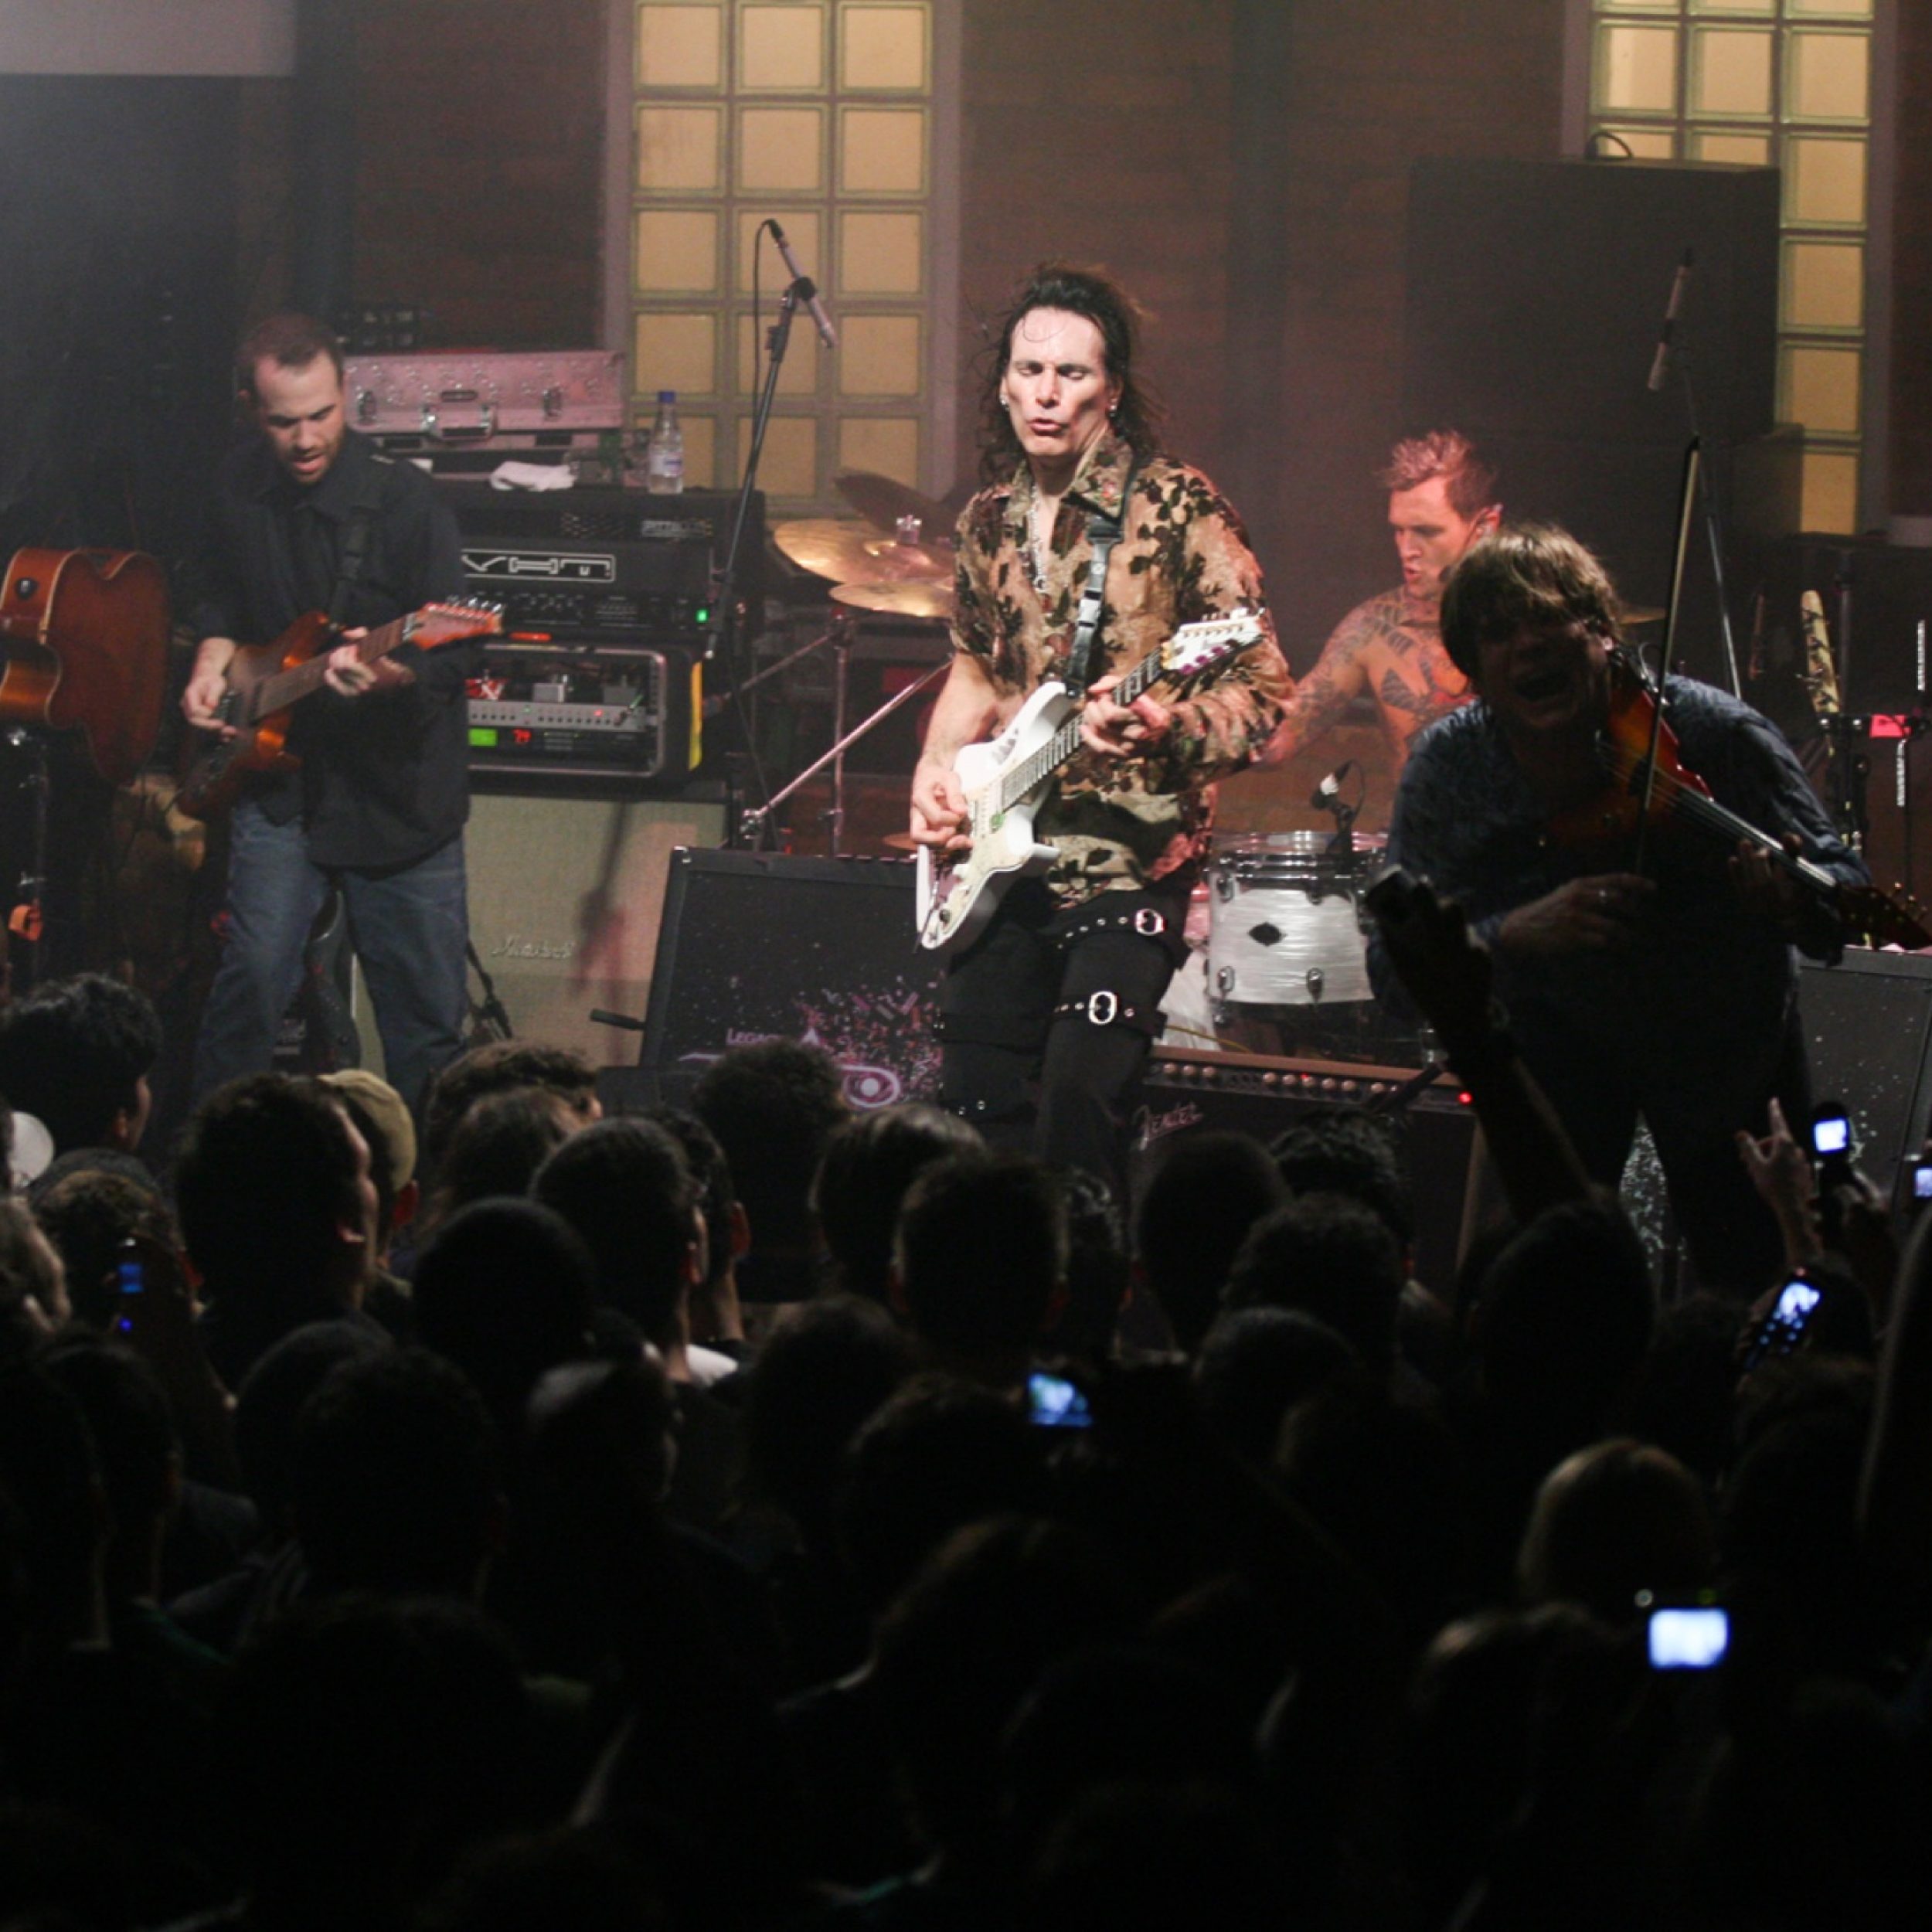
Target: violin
1648 786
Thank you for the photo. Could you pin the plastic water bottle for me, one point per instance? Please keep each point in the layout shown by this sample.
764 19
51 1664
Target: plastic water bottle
665 468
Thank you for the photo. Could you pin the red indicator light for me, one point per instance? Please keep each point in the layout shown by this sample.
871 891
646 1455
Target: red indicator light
520 736
1464 1100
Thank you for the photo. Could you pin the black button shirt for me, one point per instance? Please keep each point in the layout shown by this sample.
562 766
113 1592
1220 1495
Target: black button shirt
385 778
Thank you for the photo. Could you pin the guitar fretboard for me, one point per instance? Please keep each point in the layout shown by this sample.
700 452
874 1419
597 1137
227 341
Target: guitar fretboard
1016 784
287 687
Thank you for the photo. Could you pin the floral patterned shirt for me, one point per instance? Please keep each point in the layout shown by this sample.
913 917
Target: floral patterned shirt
1182 555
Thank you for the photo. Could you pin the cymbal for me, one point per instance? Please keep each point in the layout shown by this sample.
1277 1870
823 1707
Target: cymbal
927 601
884 501
840 550
1643 613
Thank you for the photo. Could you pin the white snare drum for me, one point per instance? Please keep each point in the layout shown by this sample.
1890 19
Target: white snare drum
1284 930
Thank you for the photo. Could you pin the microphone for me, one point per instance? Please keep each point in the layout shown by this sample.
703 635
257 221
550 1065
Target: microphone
1660 363
1323 797
807 289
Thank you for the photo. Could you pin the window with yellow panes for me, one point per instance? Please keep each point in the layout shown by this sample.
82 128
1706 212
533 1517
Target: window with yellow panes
819 114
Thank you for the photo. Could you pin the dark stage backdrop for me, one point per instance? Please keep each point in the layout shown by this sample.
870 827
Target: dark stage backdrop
117 308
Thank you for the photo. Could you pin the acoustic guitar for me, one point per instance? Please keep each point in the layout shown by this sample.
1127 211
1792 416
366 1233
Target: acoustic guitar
85 638
265 682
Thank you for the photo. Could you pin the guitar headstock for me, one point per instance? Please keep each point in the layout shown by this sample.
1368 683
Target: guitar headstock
1198 647
1883 919
439 623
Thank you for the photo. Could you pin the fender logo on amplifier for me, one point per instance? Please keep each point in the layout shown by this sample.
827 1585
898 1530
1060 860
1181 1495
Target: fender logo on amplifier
556 567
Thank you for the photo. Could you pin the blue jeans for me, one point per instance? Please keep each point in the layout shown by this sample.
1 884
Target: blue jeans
408 927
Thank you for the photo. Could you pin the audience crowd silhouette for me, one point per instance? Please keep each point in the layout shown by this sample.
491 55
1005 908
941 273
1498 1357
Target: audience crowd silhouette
771 1517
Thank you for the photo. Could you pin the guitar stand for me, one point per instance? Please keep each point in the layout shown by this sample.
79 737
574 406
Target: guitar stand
759 815
27 921
489 1018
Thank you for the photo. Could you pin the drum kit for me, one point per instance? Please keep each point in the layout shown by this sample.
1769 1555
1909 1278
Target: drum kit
895 559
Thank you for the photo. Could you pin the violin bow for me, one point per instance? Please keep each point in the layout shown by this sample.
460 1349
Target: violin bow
1687 511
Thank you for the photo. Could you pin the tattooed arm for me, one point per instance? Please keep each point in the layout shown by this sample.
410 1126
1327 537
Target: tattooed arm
1320 698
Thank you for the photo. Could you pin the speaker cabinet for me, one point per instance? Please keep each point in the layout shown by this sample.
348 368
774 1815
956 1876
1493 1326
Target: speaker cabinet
564 899
758 946
1264 1095
1536 290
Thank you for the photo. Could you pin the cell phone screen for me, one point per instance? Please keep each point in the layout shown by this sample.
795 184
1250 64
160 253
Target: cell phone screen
1922 1180
1054 1403
130 1280
1688 1638
1831 1132
1784 1326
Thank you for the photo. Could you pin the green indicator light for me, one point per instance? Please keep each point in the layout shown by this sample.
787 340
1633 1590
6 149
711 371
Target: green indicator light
704 616
482 739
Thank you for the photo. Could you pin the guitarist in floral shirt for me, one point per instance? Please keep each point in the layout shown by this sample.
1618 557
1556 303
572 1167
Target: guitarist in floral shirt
1048 1015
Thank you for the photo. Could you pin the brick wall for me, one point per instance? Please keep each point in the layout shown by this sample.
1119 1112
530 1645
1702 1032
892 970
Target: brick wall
1098 132
480 143
1104 131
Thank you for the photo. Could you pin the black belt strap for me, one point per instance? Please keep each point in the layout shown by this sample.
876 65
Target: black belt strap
369 500
1103 533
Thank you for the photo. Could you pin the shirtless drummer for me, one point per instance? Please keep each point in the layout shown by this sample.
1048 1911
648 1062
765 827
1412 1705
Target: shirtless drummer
1442 497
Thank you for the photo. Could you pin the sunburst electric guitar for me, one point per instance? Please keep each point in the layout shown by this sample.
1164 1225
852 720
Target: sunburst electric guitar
265 682
1006 778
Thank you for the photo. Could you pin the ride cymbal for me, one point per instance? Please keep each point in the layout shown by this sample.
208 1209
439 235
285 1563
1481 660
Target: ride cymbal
928 600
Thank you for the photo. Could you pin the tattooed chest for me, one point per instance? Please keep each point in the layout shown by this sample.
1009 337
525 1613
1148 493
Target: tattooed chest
1418 685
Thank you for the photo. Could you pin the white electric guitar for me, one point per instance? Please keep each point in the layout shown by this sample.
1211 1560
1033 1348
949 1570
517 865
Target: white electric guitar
1005 778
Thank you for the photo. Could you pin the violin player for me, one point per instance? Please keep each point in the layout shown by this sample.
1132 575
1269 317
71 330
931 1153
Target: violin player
1644 958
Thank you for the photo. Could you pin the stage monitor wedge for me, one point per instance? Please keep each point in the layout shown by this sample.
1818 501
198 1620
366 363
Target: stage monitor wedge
1536 291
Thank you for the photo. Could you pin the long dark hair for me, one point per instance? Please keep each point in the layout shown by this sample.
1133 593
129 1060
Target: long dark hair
1079 291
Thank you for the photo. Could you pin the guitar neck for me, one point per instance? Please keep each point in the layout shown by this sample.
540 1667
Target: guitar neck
288 687
1066 741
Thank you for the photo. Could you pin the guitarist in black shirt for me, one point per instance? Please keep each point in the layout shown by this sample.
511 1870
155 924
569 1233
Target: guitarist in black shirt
309 516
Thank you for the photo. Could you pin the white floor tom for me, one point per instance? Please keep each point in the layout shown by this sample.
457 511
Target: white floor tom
1284 929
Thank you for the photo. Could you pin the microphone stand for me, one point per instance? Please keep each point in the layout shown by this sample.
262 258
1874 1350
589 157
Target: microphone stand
725 642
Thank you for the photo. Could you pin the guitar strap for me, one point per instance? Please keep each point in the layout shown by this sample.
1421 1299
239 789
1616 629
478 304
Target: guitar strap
349 572
1103 533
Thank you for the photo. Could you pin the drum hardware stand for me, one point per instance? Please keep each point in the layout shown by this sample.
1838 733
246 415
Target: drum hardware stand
840 630
756 820
841 620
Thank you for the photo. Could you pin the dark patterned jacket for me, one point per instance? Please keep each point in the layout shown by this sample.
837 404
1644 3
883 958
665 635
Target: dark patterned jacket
1182 555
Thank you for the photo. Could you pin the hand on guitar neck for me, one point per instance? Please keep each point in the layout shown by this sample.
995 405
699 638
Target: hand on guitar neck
1109 730
347 675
